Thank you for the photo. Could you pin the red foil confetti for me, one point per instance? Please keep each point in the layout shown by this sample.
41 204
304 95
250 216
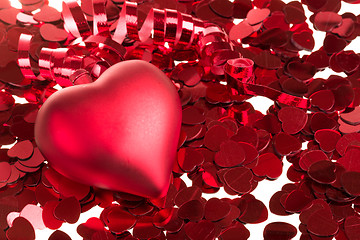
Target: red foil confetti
225 143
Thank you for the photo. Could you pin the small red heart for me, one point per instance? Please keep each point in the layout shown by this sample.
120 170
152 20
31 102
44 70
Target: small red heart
203 229
323 99
352 117
296 201
293 119
216 209
239 179
21 230
120 132
257 15
285 144
327 139
321 223
59 235
303 40
68 210
327 20
52 33
334 44
301 71
47 14
279 230
87 229
350 161
269 165
351 226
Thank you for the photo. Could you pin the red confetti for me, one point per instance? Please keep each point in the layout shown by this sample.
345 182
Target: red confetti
53 34
59 235
186 195
303 40
350 159
321 223
239 179
326 21
256 15
47 14
239 231
310 157
192 210
351 117
293 119
5 171
279 230
6 101
215 136
231 154
68 210
20 230
120 220
322 172
145 228
255 211
49 219
286 144
33 214
91 226
296 201
224 141
268 165
215 209
327 139
200 230
351 227
349 181
188 159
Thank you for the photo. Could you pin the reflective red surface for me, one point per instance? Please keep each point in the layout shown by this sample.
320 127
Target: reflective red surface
142 116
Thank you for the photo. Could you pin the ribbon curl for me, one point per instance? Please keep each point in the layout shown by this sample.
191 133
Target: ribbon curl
179 30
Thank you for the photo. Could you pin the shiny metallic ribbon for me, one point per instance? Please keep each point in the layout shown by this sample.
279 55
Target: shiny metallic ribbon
178 30
241 70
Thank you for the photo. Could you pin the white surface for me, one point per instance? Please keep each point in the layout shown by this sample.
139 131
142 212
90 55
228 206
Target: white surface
265 189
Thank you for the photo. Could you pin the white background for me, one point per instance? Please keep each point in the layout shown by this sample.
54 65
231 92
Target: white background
266 188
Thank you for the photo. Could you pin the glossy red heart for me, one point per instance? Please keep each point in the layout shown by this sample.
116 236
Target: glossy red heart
119 133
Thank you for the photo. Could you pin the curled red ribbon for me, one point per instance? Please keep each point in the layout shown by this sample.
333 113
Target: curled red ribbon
241 70
178 30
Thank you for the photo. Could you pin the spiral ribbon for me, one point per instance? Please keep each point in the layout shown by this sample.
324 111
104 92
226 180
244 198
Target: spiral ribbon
67 66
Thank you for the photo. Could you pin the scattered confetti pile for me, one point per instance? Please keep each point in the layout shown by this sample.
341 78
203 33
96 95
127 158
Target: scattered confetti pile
216 66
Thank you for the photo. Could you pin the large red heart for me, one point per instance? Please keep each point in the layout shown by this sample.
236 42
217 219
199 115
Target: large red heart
119 133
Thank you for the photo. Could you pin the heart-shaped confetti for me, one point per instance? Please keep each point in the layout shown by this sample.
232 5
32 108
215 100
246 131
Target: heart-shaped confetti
215 209
269 165
327 139
21 230
286 144
53 34
224 144
256 16
203 229
293 119
239 179
326 21
47 14
231 154
303 40
68 210
33 214
321 223
59 235
279 230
